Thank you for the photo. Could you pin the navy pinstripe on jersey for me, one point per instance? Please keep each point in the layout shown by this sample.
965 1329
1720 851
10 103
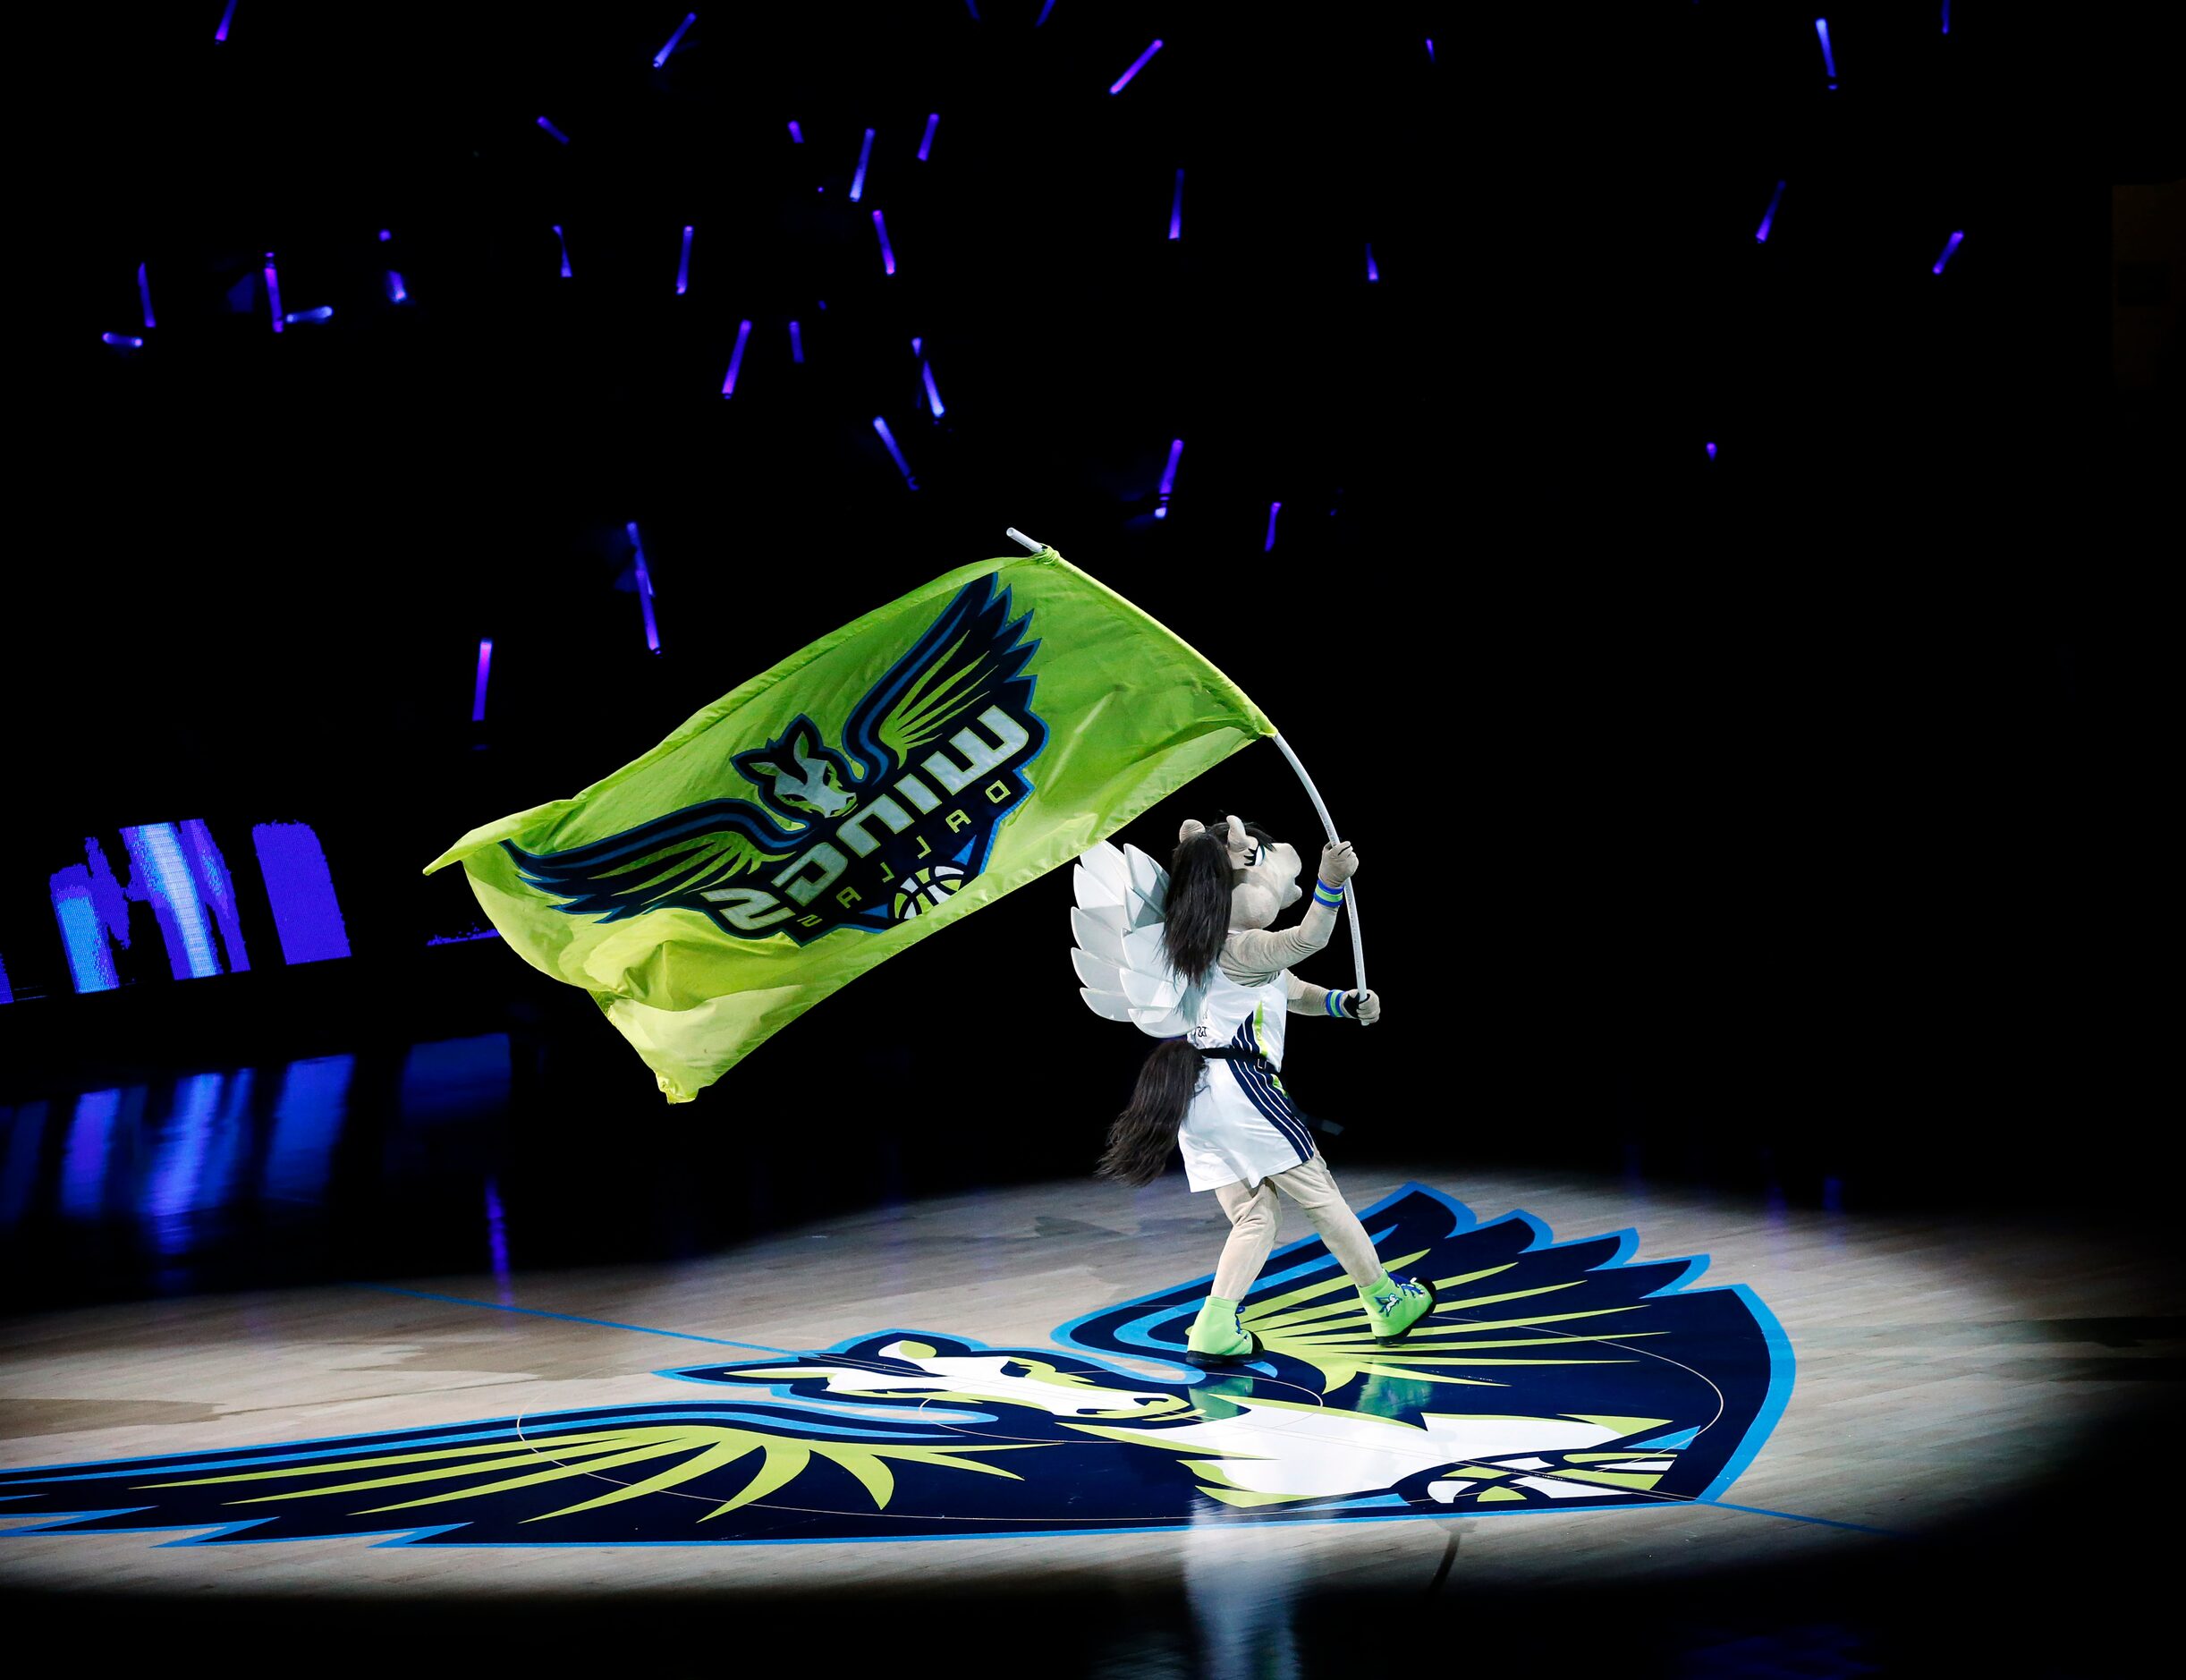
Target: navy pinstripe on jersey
1257 1079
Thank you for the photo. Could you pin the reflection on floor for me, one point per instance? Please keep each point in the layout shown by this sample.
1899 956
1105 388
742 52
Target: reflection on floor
201 1180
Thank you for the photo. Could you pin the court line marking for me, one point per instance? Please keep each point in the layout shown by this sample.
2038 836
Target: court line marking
1794 1516
611 1324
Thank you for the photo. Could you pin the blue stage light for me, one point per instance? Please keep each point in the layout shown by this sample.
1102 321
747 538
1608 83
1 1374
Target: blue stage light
307 916
160 874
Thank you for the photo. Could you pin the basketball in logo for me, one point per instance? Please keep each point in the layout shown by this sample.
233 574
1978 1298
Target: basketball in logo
928 889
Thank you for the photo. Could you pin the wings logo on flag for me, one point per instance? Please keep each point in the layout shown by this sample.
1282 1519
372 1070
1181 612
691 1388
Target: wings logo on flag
867 835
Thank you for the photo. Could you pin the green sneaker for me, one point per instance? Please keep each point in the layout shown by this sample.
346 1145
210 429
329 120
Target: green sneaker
1394 1304
1218 1336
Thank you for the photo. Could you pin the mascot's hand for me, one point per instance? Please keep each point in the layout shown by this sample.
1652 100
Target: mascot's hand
1339 862
1364 1007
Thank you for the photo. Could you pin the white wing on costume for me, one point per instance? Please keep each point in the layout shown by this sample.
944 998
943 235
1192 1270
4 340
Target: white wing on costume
1117 931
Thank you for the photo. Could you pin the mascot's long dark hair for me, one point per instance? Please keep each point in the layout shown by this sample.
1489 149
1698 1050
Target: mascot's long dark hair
1196 921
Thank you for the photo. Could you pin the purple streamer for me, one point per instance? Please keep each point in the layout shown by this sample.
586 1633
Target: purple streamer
1176 207
645 590
1137 64
797 345
683 268
221 34
552 130
661 57
1169 478
857 182
888 438
1948 250
1769 215
933 397
1273 509
273 292
562 241
736 358
477 692
1373 274
144 296
931 120
122 341
887 253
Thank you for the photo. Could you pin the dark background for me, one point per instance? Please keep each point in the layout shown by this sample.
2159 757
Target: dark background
1781 822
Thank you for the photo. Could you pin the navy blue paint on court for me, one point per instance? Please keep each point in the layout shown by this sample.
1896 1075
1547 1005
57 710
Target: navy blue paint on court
1537 1384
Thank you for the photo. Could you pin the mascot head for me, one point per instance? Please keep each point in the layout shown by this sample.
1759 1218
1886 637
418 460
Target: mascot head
1263 870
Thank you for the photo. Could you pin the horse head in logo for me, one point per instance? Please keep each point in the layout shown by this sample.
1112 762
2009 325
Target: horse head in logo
795 774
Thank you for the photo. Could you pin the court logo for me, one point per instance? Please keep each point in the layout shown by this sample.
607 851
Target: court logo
1550 1376
885 825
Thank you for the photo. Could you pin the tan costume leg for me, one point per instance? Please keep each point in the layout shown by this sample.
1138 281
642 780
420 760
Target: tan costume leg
1313 1187
1253 1215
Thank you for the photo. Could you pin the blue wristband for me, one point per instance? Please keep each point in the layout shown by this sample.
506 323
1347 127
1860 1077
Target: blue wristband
1334 1003
1325 894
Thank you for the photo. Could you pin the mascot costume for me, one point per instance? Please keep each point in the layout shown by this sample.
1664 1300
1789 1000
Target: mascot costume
1189 957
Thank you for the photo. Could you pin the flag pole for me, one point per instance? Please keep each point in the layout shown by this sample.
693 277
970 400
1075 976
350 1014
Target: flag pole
1351 892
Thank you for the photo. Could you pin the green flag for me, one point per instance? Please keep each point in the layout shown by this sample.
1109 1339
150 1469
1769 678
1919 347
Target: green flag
865 793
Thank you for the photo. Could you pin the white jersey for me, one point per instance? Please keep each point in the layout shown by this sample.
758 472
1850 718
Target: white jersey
1241 1126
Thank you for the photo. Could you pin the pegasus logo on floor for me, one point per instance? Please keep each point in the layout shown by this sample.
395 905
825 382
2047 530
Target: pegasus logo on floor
1550 1376
933 760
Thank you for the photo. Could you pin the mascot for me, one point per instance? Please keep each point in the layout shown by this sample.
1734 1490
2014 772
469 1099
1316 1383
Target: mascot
1188 955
